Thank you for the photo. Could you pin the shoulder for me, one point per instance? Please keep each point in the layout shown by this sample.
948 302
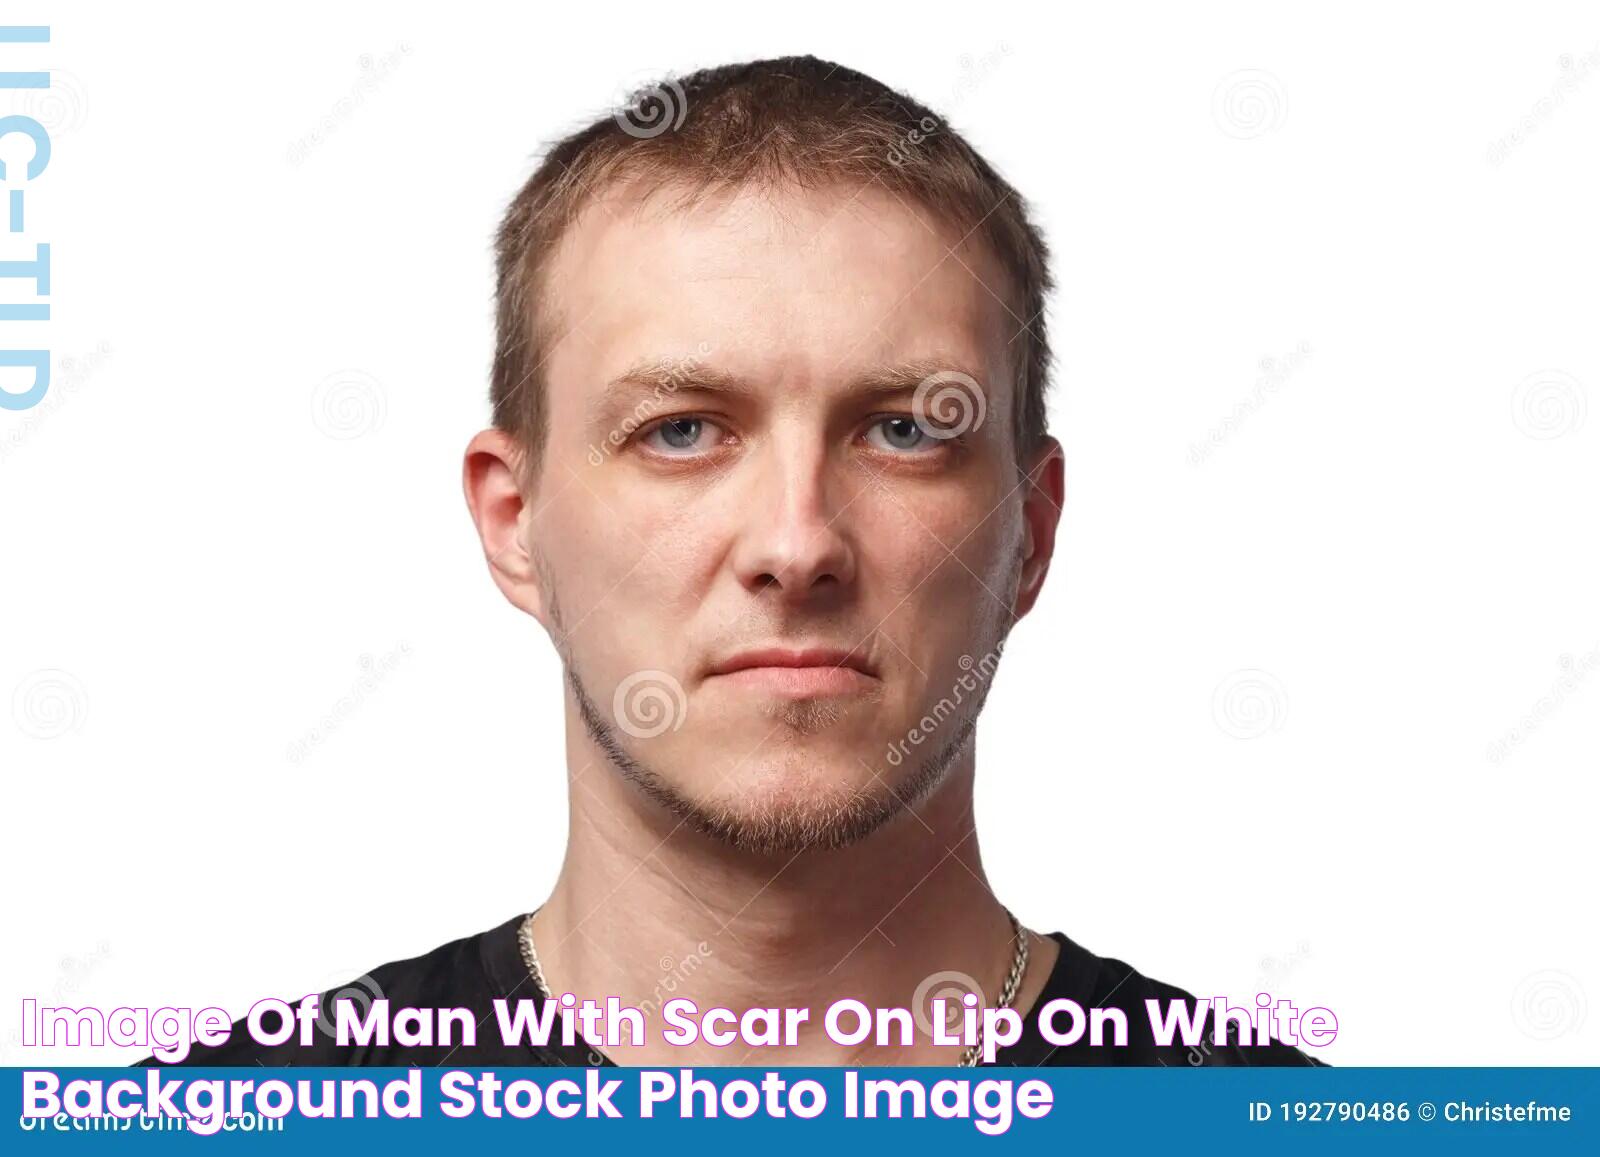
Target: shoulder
1106 982
457 974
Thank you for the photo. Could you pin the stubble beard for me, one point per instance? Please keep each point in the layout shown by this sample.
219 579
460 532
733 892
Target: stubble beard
780 823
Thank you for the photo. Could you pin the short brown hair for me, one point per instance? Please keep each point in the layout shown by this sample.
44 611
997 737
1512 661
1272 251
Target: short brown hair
796 121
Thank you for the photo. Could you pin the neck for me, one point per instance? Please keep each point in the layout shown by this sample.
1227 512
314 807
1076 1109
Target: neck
647 910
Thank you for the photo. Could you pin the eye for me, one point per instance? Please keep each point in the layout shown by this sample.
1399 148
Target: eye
899 432
682 437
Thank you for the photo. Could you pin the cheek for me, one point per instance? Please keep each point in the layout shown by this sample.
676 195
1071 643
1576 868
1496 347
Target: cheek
933 540
625 566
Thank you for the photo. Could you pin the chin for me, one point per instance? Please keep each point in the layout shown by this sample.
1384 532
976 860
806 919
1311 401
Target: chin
782 771
784 811
797 798
775 775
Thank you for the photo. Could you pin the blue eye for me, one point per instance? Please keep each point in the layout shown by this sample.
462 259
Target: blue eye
899 432
681 437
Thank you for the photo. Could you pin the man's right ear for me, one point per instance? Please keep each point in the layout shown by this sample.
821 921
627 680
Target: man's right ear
489 476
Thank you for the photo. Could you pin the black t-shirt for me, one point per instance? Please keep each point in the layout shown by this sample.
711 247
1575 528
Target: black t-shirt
475 971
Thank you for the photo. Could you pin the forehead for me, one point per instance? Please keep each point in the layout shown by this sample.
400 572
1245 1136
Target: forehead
790 288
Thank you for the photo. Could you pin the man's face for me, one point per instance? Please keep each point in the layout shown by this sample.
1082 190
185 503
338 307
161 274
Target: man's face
777 573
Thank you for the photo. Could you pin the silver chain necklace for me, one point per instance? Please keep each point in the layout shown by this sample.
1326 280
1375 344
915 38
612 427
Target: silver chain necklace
969 1058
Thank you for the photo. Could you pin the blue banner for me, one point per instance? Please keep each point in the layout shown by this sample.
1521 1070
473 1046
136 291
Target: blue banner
939 1110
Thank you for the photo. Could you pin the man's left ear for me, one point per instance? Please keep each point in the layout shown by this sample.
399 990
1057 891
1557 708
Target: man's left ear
1044 493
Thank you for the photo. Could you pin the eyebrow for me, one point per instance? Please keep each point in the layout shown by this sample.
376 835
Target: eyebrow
670 376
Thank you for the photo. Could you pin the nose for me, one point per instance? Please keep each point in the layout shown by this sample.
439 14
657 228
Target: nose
795 538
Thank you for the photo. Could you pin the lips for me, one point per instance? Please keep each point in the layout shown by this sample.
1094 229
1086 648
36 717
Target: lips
796 672
793 658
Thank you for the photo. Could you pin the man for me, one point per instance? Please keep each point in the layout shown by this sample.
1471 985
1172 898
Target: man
769 464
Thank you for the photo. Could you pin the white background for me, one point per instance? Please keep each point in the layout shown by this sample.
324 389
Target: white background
1246 740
